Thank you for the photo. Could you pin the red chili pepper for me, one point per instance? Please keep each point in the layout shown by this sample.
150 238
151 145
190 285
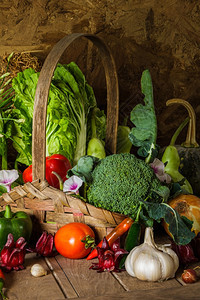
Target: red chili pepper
57 163
113 235
2 280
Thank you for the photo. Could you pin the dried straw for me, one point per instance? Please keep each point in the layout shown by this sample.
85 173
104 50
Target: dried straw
19 62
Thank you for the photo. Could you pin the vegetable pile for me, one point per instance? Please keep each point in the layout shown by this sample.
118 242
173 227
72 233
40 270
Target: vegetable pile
69 113
120 182
141 187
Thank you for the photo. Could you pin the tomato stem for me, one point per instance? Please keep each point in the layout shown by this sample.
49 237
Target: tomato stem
89 242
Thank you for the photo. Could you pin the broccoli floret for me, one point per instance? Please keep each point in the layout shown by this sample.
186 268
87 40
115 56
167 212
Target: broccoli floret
120 181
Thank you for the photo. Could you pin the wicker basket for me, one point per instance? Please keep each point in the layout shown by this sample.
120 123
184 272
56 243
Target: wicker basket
50 208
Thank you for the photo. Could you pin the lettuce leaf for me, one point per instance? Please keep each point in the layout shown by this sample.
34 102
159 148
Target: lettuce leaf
69 104
144 134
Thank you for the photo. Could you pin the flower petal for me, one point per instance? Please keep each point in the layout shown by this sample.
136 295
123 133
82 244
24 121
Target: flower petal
72 184
7 177
159 170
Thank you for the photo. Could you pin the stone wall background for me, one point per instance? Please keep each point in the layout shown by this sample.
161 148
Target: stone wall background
162 36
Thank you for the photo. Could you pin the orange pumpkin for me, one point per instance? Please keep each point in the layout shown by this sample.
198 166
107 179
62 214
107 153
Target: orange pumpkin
188 206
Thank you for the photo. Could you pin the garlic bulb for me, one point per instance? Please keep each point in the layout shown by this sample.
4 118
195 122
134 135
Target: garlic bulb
151 262
37 270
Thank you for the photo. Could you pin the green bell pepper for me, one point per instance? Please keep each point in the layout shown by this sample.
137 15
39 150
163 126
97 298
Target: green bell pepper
19 224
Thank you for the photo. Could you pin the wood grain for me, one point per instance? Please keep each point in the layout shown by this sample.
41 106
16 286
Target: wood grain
61 278
85 281
180 293
68 278
22 285
130 283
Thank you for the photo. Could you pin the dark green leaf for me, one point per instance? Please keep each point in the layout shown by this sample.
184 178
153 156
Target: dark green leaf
144 134
84 168
2 189
179 227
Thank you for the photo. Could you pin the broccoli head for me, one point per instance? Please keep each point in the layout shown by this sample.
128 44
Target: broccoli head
120 181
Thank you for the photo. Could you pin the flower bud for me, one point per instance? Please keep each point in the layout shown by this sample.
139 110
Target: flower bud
13 254
44 245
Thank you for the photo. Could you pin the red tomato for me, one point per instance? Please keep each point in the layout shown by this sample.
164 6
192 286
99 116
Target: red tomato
68 238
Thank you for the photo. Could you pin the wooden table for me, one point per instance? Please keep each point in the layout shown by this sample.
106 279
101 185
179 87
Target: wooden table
67 278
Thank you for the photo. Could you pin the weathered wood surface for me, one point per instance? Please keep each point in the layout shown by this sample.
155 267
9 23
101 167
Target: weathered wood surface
22 285
180 293
72 279
142 34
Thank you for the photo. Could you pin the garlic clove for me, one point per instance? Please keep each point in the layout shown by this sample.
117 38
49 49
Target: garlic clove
37 270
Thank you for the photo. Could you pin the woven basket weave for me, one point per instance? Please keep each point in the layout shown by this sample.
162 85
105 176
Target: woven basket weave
50 207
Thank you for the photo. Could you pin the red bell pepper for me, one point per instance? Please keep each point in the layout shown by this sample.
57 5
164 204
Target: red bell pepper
57 163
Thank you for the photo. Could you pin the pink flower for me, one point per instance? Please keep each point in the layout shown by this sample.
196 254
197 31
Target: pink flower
7 177
159 169
72 184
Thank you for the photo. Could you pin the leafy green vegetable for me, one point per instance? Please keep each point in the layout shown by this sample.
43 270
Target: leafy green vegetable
128 185
118 181
144 134
84 168
68 112
96 145
179 227
3 144
6 95
124 144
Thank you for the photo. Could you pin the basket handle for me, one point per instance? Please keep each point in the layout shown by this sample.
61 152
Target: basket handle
42 92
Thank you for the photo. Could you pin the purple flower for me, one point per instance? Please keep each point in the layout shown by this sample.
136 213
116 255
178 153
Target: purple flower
159 169
72 184
7 177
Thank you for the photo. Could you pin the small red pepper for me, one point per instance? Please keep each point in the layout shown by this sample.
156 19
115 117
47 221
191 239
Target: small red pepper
113 235
56 163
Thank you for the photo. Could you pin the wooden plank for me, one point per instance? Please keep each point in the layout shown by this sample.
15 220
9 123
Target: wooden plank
190 292
88 282
61 278
22 285
131 284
